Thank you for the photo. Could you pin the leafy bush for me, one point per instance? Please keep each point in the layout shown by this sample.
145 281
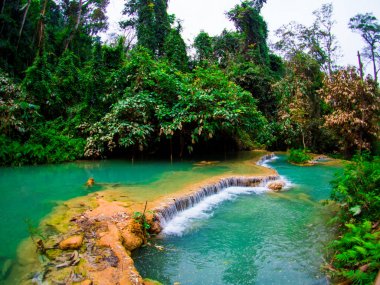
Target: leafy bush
43 147
299 156
356 253
357 256
358 190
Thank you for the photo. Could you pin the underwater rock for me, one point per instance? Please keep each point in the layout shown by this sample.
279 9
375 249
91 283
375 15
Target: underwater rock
148 281
90 182
6 269
276 185
73 242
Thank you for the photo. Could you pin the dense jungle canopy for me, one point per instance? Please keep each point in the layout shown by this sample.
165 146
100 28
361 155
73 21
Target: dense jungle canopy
66 95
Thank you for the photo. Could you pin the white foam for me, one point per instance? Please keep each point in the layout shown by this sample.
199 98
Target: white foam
268 160
186 219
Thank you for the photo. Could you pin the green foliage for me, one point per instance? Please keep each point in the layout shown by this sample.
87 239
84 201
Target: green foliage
142 220
46 145
299 156
250 23
203 46
175 50
358 190
356 253
157 100
37 83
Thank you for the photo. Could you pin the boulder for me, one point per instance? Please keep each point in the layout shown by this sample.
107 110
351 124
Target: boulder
131 240
276 185
73 242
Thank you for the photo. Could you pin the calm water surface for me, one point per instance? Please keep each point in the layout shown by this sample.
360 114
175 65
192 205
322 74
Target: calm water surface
254 237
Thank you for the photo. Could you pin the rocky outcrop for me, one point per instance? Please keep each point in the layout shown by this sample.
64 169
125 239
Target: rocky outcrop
276 185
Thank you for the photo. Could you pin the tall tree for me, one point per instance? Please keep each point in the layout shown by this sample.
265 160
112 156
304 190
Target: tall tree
322 27
317 40
369 28
150 20
175 49
86 17
203 46
251 24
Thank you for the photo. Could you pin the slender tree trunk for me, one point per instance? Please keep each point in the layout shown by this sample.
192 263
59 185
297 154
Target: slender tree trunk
171 150
41 27
76 25
22 24
360 66
303 139
374 63
2 7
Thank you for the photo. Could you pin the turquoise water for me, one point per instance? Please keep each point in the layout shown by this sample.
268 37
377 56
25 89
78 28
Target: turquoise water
30 193
254 237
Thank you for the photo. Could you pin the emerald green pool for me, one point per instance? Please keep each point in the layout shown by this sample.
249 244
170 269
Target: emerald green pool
248 236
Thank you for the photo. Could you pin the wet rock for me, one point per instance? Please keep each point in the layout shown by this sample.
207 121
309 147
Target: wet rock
133 236
276 185
131 241
74 242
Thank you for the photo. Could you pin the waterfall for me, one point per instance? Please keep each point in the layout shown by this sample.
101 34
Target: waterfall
173 206
265 158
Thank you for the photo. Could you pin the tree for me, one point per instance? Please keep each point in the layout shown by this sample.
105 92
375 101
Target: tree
251 24
88 17
355 107
37 84
369 28
150 20
299 111
203 44
322 27
317 40
226 47
175 49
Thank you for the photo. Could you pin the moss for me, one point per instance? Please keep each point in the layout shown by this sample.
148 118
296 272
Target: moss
53 253
148 281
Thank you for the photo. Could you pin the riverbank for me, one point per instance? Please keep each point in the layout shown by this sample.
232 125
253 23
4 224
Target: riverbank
105 224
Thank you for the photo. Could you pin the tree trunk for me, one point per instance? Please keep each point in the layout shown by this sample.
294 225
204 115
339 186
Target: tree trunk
22 24
360 66
2 7
374 63
171 150
303 139
41 27
76 25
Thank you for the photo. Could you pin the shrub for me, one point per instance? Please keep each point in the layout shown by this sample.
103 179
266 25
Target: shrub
299 156
356 253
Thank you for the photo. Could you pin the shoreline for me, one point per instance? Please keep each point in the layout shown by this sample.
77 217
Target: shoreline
108 228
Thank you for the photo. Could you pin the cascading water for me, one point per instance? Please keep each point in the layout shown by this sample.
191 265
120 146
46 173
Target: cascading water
175 206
